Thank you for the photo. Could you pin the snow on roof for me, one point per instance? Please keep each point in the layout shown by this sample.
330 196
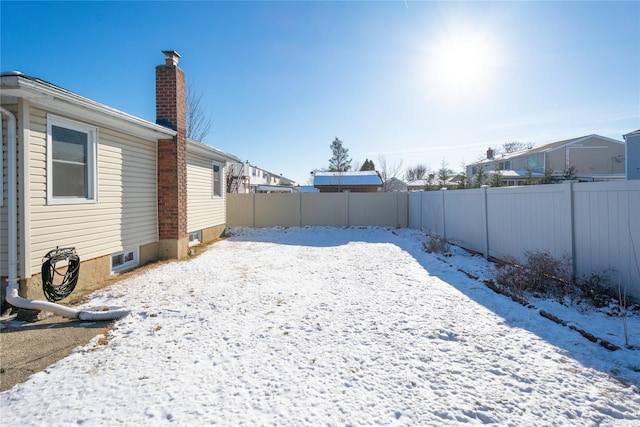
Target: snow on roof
347 178
517 174
542 148
273 188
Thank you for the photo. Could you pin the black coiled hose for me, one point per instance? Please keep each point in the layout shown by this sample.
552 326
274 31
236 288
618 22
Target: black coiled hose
52 291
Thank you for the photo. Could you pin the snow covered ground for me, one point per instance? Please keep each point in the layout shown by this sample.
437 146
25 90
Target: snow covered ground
325 326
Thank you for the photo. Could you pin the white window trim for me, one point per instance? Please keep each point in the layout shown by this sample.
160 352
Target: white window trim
220 181
92 160
127 265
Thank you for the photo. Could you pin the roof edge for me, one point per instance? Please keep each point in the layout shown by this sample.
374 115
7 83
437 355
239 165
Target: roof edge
29 87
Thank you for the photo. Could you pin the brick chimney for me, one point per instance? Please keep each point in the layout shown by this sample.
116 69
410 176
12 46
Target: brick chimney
490 153
172 159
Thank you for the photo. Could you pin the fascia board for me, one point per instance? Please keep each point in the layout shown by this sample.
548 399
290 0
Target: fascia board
208 151
57 100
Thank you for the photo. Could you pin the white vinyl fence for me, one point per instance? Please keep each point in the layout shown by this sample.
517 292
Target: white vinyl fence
320 209
596 224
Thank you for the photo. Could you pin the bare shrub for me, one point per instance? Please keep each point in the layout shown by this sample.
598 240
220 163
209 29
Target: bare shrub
596 289
436 245
546 276
549 275
542 274
513 277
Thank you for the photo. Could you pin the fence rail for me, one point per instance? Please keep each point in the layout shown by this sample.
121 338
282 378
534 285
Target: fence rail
317 209
596 224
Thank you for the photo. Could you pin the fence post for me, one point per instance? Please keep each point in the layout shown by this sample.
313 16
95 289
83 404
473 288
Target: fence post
253 205
444 221
421 202
571 226
485 211
347 198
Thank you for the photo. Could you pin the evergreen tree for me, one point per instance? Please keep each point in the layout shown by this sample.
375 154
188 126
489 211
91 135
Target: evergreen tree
548 177
463 177
444 173
496 178
340 162
481 176
569 173
529 176
368 165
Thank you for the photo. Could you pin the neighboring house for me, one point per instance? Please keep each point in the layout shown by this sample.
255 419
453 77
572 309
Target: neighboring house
633 154
455 181
419 185
395 184
354 181
590 158
306 189
121 190
246 178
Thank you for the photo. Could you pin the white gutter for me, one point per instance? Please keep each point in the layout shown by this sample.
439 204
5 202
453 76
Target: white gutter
49 96
12 218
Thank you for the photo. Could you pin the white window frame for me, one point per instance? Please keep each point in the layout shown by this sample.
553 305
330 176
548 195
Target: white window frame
504 165
220 180
92 160
126 265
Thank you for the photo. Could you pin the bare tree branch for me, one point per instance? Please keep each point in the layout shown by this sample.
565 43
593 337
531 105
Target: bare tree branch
387 171
513 146
416 172
198 124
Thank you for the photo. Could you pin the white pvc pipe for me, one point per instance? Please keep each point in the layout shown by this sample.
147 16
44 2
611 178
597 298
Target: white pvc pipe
12 240
12 212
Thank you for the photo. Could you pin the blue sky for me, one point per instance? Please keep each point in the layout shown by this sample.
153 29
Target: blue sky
413 82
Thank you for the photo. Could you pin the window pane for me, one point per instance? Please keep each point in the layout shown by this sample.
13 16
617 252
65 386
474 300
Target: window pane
117 260
216 180
69 162
69 180
69 145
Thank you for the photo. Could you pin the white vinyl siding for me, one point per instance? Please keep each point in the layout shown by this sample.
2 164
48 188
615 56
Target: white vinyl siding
125 215
203 209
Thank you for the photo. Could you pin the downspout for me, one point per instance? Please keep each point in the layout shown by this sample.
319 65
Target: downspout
12 240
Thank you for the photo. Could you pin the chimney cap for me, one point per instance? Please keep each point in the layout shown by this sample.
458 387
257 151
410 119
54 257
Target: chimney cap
171 57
